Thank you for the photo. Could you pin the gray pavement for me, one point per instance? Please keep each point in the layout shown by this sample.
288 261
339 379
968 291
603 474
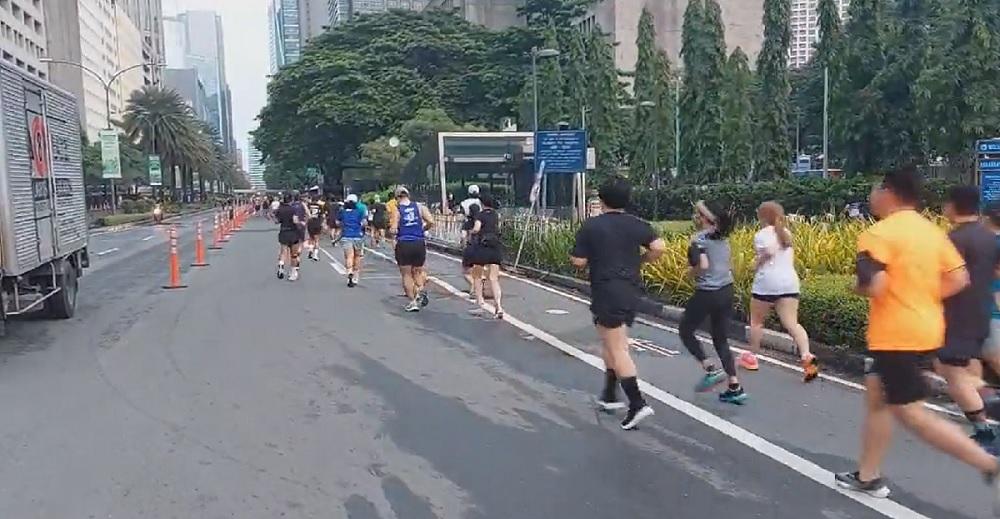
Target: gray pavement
245 396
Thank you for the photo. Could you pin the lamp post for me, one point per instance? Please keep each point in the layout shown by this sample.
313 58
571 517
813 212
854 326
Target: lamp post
107 99
535 54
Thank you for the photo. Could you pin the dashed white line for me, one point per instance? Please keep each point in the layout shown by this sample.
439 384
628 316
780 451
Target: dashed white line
109 251
147 238
793 461
339 267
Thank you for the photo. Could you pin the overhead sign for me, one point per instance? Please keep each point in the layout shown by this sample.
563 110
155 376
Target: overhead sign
155 171
988 146
111 166
561 151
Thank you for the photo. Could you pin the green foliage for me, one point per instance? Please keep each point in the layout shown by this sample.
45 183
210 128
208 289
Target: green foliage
703 52
773 152
646 89
605 96
737 111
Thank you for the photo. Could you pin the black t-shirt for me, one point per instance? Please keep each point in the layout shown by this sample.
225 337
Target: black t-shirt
611 243
286 218
967 313
378 212
489 231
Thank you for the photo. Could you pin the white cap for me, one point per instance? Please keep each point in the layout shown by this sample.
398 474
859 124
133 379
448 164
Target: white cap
473 189
351 198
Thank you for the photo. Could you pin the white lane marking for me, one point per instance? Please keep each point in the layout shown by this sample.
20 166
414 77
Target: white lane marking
793 461
147 238
671 329
109 251
556 311
339 267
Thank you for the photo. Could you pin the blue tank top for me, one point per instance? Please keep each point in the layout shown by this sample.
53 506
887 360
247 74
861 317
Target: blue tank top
411 225
352 220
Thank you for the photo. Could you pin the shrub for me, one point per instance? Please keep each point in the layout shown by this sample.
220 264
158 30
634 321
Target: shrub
120 219
127 206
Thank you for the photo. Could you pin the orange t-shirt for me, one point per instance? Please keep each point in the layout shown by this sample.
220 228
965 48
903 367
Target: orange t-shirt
909 314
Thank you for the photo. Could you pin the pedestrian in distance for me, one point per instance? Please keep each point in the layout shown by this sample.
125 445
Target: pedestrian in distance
486 254
469 209
991 349
409 224
611 246
967 313
351 221
709 258
906 267
317 210
379 221
776 287
288 238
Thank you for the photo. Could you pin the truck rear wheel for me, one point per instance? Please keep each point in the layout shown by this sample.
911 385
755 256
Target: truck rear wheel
63 304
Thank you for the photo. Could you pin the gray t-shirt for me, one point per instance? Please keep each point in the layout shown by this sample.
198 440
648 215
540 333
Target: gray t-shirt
719 273
967 313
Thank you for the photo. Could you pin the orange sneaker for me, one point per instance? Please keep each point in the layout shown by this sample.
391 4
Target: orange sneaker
748 361
810 369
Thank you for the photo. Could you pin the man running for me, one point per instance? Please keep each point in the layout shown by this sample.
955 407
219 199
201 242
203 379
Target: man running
470 208
610 245
299 208
967 314
409 224
288 238
906 266
317 211
379 220
352 238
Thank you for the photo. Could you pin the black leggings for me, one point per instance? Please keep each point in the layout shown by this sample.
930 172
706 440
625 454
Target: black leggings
717 305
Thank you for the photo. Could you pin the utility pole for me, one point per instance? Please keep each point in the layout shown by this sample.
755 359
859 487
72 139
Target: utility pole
826 122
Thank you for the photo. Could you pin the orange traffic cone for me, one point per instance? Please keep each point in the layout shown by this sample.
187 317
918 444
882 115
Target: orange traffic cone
199 249
216 244
175 262
225 228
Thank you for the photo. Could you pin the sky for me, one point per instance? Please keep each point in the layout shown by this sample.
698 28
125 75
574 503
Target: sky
245 35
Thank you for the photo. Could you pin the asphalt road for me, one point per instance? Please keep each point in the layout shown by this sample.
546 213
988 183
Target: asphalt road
245 396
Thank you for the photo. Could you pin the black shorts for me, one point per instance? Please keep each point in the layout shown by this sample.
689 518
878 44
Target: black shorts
289 238
901 374
614 303
411 253
380 224
769 298
315 227
958 351
483 255
467 256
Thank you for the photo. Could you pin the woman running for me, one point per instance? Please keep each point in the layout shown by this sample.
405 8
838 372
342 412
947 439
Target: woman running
487 253
710 259
776 286
288 237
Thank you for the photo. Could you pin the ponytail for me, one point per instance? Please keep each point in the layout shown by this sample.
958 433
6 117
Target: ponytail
773 214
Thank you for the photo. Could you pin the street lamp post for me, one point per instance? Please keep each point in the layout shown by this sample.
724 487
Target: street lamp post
107 100
535 54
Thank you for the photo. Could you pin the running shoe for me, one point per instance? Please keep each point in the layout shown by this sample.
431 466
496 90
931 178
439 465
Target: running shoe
610 405
294 275
315 255
423 299
748 361
987 439
635 416
412 307
281 272
710 380
810 369
874 488
734 396
350 281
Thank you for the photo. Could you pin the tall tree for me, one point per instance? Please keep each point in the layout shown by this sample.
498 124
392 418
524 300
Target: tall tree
551 87
646 92
575 73
693 55
808 82
606 94
772 149
737 111
666 109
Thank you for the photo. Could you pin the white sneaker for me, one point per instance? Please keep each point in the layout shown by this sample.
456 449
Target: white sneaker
412 307
294 275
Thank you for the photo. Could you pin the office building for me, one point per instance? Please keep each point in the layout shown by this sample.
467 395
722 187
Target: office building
185 81
106 37
314 18
255 168
285 33
22 35
341 11
805 30
493 14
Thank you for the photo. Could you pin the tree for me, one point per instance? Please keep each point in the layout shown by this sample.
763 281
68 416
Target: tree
575 75
737 111
772 148
389 160
604 99
551 89
808 82
666 109
646 92
703 54
553 13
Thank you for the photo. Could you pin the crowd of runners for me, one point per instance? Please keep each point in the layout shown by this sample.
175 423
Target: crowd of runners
932 295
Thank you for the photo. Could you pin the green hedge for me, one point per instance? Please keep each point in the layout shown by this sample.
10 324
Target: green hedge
121 219
809 197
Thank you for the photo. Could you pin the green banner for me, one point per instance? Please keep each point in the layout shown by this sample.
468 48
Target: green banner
110 161
155 173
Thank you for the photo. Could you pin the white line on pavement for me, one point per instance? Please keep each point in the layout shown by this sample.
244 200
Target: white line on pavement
793 461
109 251
340 268
147 238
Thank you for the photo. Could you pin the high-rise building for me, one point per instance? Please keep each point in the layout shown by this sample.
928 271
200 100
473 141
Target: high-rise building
106 37
285 33
341 11
255 168
22 36
493 14
805 30
185 81
314 17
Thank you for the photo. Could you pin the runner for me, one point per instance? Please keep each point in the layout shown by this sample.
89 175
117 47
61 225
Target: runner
351 220
288 238
317 212
709 257
906 266
469 208
610 245
379 221
487 254
333 210
409 224
967 313
776 286
273 215
991 350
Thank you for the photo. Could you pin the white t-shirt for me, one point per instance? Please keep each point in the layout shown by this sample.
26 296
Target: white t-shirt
777 276
275 205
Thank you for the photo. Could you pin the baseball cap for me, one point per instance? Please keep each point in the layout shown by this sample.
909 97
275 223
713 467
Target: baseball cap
351 198
473 189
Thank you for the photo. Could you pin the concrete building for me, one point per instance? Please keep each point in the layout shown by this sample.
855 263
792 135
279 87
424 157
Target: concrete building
314 18
106 37
805 30
285 33
255 168
185 81
493 14
341 11
23 35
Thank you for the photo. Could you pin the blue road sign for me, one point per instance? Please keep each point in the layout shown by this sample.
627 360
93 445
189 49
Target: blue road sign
989 188
989 165
988 146
562 152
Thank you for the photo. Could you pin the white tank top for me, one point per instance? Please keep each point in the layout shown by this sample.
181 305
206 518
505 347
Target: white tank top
777 276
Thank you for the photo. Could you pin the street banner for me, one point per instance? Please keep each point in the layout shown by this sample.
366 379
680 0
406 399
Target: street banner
155 171
111 166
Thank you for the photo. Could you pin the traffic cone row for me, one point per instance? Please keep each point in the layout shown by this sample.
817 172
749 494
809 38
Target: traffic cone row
222 229
175 262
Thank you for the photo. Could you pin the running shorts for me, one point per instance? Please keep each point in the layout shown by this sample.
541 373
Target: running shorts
353 244
958 351
487 254
380 223
289 237
467 253
774 298
614 303
901 374
315 227
411 253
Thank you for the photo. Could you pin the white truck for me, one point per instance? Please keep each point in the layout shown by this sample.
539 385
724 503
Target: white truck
43 214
